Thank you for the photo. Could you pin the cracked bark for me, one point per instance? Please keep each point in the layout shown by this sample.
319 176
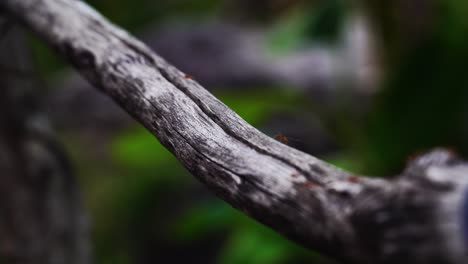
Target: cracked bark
415 218
41 216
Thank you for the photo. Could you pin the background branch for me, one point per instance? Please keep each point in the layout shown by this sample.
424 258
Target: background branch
41 215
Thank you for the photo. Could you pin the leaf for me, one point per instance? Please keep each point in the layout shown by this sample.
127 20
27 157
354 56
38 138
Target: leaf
138 148
203 219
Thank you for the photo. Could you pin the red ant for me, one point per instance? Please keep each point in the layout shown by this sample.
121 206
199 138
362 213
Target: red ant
281 138
284 139
295 175
353 179
310 185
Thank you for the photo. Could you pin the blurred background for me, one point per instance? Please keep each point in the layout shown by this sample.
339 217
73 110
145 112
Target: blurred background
363 84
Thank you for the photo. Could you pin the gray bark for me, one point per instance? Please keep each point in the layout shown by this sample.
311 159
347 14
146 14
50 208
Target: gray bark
415 218
41 215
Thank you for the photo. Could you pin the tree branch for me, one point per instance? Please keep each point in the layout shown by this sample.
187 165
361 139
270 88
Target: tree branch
415 219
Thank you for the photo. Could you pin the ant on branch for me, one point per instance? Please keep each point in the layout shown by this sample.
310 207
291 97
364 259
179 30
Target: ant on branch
281 138
284 139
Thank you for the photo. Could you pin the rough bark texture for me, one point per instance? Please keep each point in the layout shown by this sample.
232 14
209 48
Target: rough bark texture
413 219
41 215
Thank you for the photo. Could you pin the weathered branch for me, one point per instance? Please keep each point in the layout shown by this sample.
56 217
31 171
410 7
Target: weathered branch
415 219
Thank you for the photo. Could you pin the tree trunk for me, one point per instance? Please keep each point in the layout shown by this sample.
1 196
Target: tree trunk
41 215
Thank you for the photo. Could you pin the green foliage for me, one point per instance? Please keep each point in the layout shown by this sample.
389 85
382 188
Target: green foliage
248 241
310 24
288 33
205 217
423 104
254 105
327 23
252 244
45 60
139 149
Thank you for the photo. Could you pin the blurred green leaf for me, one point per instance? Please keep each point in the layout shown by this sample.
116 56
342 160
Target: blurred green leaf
253 246
46 61
253 243
348 161
288 33
308 25
326 25
254 105
139 149
204 218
